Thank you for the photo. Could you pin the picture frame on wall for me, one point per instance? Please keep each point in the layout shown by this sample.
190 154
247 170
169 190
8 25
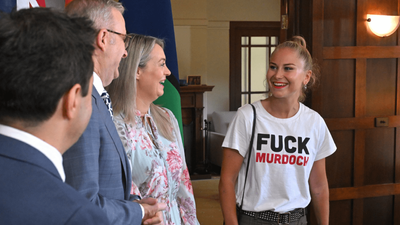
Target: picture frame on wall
193 80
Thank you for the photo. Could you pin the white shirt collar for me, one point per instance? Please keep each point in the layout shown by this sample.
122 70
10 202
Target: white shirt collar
49 151
98 84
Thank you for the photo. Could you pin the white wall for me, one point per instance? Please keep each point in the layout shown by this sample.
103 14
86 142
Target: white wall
202 40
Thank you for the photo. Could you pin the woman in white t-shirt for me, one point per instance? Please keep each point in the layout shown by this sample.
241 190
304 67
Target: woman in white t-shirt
291 141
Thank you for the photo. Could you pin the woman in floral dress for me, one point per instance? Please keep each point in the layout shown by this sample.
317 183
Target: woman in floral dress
150 133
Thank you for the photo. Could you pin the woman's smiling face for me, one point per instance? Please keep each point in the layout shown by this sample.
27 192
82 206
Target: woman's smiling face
286 75
151 78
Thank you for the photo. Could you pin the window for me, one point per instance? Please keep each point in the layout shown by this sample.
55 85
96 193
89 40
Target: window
251 44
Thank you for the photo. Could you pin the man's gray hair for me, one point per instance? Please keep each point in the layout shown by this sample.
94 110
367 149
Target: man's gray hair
99 11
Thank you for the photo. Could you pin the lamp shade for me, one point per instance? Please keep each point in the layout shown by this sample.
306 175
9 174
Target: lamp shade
382 25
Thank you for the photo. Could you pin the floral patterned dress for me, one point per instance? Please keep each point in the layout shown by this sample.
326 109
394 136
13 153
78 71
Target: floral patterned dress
158 167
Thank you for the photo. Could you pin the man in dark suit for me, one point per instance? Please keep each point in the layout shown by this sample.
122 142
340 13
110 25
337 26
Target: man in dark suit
97 165
46 73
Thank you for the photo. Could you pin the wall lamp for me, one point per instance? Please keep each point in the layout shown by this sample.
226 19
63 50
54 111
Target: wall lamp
382 25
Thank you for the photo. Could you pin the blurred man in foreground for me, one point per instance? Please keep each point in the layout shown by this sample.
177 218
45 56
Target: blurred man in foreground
45 105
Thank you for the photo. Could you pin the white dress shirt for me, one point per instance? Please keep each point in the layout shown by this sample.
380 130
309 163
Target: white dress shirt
98 84
46 149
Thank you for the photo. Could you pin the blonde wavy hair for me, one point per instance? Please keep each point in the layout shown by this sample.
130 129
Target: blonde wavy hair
123 90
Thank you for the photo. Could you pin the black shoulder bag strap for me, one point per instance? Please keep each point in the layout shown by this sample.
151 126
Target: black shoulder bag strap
248 160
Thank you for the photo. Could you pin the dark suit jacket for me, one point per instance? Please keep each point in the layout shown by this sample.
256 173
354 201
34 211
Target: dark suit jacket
97 166
32 192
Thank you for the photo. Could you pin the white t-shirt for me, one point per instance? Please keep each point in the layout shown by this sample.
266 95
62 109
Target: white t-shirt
282 156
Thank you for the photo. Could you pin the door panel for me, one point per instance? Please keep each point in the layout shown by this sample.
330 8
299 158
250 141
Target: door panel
346 216
381 87
360 81
340 164
379 154
341 94
378 210
339 23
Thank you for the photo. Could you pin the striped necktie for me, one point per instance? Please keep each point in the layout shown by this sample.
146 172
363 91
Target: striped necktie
106 98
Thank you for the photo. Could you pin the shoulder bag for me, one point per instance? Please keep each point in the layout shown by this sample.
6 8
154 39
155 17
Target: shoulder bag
239 207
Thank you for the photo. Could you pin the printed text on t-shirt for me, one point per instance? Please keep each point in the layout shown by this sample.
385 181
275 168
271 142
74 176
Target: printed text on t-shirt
278 143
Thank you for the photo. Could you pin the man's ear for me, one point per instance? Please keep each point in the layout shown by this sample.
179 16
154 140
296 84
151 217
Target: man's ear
102 39
71 102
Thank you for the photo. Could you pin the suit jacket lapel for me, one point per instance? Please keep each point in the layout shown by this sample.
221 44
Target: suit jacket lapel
23 152
105 115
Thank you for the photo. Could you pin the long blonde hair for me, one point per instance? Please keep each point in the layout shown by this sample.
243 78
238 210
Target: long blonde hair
298 44
123 90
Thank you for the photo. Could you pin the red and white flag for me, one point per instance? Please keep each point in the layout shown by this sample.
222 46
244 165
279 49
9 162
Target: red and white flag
59 4
21 4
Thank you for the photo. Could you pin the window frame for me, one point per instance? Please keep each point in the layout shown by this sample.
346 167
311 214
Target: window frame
236 32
